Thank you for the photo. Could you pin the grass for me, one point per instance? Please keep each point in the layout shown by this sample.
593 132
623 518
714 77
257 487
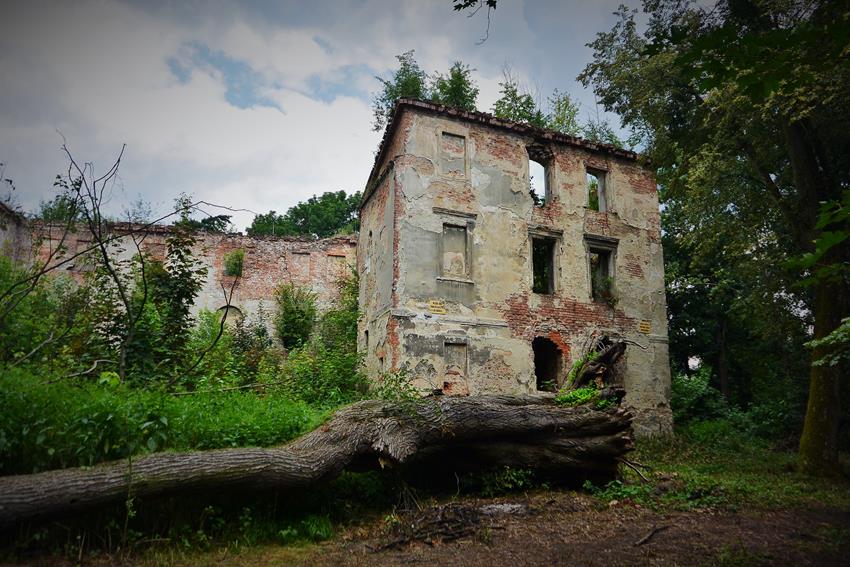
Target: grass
48 426
698 469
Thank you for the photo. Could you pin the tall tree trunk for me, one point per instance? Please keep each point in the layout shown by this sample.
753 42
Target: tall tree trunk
819 442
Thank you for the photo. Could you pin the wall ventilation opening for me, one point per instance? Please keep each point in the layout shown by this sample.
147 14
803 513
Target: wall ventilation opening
596 198
547 364
543 265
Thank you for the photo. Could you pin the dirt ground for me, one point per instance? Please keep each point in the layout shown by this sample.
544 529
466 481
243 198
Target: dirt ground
565 528
548 527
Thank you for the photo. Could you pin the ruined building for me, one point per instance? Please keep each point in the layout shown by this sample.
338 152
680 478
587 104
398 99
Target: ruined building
472 284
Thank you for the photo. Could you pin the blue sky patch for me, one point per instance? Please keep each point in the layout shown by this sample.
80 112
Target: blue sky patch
244 85
342 84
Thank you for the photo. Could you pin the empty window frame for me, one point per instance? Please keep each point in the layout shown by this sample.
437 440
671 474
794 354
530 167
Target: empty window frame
597 198
601 264
543 264
455 356
454 252
538 176
453 154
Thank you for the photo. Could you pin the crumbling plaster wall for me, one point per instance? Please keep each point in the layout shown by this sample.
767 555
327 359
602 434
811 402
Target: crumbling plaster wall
492 310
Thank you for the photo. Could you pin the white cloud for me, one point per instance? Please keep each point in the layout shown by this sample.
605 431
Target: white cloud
98 71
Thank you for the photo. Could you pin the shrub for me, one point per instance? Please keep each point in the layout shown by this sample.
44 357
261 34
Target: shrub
296 314
318 375
693 398
233 262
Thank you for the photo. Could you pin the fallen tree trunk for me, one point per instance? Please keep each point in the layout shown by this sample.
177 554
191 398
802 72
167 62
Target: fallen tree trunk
526 430
601 369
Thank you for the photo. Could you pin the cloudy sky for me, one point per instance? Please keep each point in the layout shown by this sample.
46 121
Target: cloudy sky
253 105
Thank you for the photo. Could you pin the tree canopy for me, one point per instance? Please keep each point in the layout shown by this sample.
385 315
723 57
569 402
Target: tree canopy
744 109
319 216
455 88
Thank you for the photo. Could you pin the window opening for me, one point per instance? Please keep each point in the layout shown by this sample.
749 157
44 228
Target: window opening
455 258
547 364
601 277
543 265
366 338
596 197
537 182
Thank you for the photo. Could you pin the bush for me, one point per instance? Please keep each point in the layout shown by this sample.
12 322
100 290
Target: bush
48 426
318 375
296 315
233 262
693 398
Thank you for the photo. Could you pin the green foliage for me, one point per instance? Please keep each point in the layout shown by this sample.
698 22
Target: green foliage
54 315
60 425
320 216
408 81
563 116
319 375
219 224
516 105
578 364
603 288
397 387
506 480
233 262
600 131
838 344
457 89
326 370
338 325
62 208
693 398
295 316
576 397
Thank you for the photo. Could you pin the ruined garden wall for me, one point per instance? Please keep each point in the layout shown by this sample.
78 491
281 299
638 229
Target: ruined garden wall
268 261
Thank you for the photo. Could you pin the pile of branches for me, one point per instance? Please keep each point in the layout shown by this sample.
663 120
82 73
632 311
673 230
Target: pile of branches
439 524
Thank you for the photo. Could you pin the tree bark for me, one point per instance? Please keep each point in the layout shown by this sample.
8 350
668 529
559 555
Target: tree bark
818 453
529 431
819 442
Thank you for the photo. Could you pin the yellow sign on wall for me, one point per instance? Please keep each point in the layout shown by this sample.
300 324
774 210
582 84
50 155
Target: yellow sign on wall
437 306
645 327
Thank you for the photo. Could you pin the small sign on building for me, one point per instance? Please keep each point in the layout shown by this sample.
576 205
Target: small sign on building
645 327
437 306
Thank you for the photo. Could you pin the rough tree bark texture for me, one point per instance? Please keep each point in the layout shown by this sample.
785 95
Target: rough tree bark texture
482 431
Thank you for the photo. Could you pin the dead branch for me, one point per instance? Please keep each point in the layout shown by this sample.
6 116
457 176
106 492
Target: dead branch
649 536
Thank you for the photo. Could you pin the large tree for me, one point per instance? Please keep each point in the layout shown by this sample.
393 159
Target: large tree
333 212
758 88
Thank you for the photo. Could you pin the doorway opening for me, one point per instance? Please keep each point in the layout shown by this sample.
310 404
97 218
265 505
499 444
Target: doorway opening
547 364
